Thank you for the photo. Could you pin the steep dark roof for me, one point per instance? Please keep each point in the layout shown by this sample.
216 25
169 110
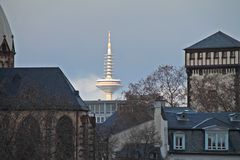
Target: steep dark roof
200 120
37 89
217 40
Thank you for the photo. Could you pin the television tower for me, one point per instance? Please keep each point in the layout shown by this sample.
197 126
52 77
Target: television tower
108 84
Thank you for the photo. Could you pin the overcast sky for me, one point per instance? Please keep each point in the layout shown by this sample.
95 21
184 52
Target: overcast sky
72 34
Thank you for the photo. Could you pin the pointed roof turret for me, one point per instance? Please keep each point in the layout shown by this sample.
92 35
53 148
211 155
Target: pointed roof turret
5 30
217 40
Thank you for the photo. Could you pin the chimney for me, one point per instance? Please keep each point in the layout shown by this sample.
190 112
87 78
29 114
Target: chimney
160 127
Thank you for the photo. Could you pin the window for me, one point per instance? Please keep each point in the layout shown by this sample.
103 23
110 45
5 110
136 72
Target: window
192 56
200 72
108 108
152 155
101 109
216 55
200 55
96 109
179 141
232 55
224 54
91 108
102 119
208 55
216 140
98 119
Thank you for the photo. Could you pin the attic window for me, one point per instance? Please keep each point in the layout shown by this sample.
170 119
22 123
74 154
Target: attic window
234 117
182 116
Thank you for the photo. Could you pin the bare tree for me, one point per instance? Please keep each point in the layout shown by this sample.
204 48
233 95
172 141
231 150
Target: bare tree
141 143
213 93
167 81
105 144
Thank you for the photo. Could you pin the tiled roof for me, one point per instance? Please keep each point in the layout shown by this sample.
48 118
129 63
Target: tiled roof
217 40
37 88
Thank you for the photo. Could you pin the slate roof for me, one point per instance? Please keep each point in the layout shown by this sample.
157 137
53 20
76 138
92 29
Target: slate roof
217 40
120 121
200 120
37 89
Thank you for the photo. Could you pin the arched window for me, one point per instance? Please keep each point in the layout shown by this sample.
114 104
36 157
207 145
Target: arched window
28 140
64 139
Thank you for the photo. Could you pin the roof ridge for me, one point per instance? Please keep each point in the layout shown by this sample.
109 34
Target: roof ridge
216 40
202 122
208 119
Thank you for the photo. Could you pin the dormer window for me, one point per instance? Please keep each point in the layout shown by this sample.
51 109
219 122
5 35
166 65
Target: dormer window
234 117
178 141
182 116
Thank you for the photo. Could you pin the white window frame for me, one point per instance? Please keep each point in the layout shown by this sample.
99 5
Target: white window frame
98 120
215 134
102 119
176 137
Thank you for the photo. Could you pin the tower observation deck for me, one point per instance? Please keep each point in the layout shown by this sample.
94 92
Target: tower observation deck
108 84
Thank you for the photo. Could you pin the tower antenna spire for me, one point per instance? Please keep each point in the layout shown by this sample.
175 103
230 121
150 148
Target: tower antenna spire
108 65
108 84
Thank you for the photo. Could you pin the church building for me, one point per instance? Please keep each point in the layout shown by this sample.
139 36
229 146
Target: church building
42 116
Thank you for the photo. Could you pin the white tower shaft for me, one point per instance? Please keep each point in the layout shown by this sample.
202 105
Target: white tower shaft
108 66
108 84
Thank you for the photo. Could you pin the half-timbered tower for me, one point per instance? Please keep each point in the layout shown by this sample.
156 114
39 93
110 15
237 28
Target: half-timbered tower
218 54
